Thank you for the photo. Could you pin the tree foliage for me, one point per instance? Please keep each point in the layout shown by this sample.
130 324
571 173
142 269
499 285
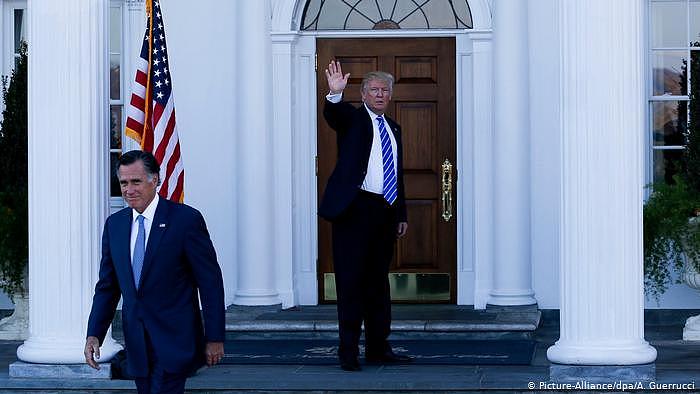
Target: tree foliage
14 234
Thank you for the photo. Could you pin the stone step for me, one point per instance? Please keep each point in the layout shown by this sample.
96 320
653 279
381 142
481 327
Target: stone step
408 321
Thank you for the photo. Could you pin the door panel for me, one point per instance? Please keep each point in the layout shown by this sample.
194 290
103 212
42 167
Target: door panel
423 103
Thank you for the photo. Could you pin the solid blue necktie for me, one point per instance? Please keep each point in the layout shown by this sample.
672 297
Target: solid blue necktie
390 192
139 251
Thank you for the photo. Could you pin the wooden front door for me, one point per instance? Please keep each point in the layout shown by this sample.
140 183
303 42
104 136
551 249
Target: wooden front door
423 103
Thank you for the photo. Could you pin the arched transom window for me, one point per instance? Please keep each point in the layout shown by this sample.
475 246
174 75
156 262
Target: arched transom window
386 14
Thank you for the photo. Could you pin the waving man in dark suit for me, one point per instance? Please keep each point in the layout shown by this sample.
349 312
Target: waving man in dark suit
364 200
157 255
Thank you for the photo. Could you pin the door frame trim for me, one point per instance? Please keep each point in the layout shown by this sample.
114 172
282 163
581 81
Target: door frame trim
294 89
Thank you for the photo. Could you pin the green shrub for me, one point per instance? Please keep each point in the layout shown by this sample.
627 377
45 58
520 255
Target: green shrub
14 233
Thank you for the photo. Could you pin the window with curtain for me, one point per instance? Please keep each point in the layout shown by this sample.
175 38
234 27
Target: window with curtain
386 14
674 42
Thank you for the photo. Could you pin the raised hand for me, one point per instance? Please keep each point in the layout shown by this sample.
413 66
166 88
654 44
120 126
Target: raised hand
336 80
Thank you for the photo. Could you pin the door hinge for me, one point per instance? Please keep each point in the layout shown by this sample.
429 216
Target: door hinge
315 61
316 164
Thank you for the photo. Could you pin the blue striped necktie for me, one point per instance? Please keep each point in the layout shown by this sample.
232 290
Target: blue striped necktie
387 163
139 251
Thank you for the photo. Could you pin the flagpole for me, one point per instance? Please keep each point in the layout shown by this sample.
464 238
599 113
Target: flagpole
149 14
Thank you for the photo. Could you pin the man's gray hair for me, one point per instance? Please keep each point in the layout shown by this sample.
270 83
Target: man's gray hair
378 76
150 164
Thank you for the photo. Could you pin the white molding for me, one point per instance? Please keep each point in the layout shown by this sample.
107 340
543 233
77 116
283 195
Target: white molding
305 228
282 140
474 111
481 152
283 15
400 33
136 4
464 82
481 14
285 11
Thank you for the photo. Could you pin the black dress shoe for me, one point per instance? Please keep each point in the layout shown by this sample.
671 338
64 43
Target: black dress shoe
388 357
350 365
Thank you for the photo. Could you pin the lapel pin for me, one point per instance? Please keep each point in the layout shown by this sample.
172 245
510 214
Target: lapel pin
162 225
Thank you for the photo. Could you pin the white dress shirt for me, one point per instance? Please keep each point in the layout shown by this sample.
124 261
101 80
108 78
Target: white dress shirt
374 180
148 214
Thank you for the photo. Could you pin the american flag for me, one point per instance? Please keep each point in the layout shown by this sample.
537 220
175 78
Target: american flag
151 112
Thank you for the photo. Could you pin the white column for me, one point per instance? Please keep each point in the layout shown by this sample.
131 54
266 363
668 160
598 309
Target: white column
68 175
256 232
512 273
602 110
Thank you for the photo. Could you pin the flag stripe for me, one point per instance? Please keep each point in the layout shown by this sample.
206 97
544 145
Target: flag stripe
157 113
134 125
169 130
169 168
141 77
137 102
177 171
180 186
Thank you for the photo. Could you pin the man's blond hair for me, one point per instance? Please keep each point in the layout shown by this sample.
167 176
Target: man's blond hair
377 76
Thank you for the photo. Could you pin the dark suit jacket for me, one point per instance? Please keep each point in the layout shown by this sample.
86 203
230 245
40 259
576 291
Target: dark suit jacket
354 133
179 260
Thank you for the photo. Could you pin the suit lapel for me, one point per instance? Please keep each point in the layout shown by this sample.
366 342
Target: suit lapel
122 256
393 127
158 228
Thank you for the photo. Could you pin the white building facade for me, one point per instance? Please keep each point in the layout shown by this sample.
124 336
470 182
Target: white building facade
553 140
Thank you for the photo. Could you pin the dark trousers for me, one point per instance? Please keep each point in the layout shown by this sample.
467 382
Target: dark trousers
363 245
158 380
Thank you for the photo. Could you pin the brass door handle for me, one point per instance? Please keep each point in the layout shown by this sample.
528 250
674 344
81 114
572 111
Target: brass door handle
446 181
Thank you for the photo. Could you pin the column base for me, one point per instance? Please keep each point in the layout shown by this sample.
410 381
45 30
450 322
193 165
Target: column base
255 298
20 369
512 298
602 374
607 353
53 351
